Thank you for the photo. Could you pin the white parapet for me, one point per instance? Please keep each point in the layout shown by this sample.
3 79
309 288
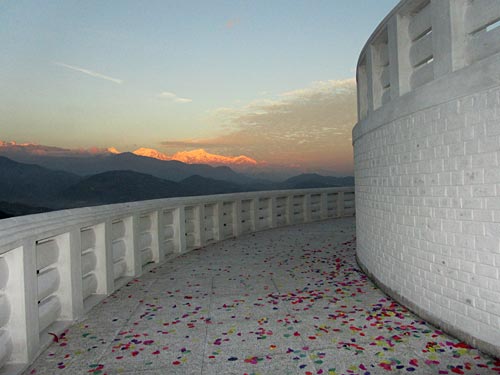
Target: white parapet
427 162
55 266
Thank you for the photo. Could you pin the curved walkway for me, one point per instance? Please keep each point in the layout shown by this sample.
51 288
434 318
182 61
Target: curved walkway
285 301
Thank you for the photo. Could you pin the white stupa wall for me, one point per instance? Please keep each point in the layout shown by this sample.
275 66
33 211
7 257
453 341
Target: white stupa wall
427 163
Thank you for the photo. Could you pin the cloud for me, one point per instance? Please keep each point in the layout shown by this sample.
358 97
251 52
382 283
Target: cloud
168 95
183 100
174 98
310 127
322 88
89 72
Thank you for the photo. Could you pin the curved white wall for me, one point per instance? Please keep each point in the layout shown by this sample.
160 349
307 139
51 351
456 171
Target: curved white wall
427 163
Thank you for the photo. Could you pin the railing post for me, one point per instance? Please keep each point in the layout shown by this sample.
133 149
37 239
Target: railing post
448 35
237 218
179 216
157 234
200 224
340 204
104 254
399 54
69 266
218 218
307 208
370 57
324 205
272 212
132 255
362 91
393 50
22 291
289 209
254 215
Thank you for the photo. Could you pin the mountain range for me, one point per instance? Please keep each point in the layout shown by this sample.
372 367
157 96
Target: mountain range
27 188
166 169
199 156
32 184
27 151
52 156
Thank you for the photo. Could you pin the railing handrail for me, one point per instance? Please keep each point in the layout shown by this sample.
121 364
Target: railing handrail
16 229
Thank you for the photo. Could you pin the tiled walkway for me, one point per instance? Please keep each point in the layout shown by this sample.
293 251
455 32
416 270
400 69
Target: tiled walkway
285 301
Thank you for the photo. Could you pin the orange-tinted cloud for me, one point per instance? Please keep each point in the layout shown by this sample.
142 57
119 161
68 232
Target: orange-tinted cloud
310 128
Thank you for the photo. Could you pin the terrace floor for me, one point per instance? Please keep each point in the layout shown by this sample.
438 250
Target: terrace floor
284 301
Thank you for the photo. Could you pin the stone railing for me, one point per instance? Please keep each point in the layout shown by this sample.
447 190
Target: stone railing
427 163
56 266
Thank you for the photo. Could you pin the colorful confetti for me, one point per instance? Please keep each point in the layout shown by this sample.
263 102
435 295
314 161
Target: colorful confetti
286 301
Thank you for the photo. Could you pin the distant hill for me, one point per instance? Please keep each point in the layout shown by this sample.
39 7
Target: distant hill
117 187
31 184
128 186
197 185
166 169
313 180
28 189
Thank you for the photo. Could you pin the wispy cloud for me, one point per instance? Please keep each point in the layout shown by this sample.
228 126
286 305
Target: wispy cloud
174 98
89 72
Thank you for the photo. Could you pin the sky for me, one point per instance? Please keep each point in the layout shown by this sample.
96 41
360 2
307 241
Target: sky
273 80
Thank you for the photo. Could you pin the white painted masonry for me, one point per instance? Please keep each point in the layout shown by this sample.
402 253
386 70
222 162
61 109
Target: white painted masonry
56 266
427 163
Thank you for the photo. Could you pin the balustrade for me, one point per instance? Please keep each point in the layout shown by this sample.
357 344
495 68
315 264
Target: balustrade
54 267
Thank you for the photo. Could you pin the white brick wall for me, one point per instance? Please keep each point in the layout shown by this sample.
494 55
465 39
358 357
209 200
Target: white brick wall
428 210
427 164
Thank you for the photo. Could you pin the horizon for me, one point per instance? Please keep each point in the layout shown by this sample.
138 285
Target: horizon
36 154
270 82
